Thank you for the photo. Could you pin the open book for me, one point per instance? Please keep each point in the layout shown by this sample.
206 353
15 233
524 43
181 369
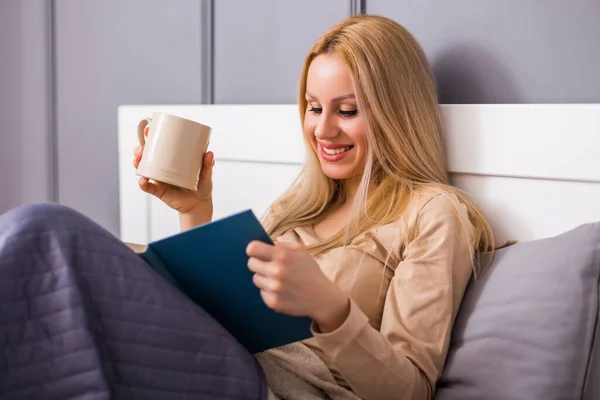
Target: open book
209 264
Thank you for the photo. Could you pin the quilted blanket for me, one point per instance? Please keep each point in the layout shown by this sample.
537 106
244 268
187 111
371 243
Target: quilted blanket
83 317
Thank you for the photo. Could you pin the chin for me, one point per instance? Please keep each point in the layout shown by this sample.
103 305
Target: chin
337 173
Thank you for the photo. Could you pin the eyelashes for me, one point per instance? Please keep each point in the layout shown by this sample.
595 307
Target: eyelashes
348 113
343 113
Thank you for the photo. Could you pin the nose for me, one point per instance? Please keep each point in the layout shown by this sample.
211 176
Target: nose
326 127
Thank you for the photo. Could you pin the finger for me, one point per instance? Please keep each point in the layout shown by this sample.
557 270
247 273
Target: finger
209 159
157 189
267 284
207 167
271 300
146 186
137 156
258 266
283 244
260 250
146 130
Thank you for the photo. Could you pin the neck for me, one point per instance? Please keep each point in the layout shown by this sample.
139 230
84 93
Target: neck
351 189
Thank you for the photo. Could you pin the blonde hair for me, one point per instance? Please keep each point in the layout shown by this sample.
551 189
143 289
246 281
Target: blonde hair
397 99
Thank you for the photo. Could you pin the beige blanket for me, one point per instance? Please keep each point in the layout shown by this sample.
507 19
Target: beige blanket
295 372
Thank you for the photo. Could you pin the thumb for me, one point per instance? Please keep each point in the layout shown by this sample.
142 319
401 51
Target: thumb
207 167
287 244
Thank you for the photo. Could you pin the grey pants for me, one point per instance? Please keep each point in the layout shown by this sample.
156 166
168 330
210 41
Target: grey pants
83 317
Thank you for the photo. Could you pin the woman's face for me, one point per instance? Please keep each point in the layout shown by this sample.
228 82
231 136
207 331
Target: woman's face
332 123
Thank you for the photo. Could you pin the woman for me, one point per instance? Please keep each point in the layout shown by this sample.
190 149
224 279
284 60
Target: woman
371 241
375 245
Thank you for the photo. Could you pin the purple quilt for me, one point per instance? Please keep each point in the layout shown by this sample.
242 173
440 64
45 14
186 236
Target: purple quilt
83 317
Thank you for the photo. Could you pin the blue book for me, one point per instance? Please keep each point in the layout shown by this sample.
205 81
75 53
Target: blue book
209 264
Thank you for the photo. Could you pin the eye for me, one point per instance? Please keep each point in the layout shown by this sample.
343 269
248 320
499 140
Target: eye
348 113
315 110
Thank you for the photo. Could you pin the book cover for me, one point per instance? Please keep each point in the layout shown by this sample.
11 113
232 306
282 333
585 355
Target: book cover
209 264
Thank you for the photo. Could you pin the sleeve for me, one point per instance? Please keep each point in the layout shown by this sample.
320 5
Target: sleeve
407 355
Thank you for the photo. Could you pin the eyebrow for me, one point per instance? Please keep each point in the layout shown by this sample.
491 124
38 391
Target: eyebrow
339 98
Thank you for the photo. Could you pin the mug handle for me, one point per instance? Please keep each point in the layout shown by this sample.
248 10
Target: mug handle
141 126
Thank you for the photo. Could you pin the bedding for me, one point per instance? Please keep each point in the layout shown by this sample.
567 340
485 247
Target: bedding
527 328
82 316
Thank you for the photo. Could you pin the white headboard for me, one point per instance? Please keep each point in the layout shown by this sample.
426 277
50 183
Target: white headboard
534 170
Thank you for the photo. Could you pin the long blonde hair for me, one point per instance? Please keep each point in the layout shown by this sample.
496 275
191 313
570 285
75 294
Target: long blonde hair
397 99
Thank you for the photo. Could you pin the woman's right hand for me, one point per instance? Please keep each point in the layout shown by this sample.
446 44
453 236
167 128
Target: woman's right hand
184 201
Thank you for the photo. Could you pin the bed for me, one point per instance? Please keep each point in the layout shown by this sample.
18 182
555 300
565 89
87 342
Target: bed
533 169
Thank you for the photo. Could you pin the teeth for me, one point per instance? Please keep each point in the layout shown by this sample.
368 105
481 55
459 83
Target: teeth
336 151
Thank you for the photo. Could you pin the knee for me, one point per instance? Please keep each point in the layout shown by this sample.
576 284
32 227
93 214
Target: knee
42 211
43 216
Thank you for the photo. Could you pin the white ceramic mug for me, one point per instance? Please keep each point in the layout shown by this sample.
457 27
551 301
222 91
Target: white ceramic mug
173 150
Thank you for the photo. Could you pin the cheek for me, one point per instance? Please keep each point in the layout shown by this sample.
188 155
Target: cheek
308 127
355 130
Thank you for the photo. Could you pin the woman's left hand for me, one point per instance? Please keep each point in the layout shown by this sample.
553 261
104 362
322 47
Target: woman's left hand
291 282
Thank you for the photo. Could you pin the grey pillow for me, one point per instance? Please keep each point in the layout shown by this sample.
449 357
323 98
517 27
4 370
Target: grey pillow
527 327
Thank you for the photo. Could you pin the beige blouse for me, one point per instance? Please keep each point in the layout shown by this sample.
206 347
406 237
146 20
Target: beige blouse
404 299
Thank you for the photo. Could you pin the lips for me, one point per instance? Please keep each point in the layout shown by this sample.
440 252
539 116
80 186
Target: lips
334 153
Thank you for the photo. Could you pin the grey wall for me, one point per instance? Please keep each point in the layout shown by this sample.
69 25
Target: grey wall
65 66
25 117
108 53
511 51
260 46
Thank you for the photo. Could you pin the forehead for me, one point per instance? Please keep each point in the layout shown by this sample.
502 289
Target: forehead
328 74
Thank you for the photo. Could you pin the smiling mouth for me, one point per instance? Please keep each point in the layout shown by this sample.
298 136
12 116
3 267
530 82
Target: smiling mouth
337 151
